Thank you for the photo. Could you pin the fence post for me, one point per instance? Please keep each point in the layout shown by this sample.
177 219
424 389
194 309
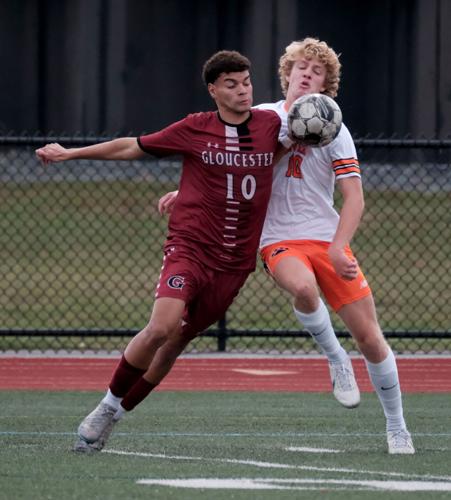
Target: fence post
222 334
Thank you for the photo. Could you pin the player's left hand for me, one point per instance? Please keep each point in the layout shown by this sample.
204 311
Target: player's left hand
166 203
52 153
345 267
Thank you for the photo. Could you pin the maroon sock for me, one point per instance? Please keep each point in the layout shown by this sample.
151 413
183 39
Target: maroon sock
124 377
137 393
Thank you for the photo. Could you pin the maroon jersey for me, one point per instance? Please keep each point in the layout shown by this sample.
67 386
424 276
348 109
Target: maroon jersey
224 188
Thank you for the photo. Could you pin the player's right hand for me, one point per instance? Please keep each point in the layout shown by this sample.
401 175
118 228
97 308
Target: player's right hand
345 267
166 203
52 153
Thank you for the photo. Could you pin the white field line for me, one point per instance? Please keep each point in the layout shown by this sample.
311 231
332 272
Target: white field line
295 484
273 465
312 450
385 485
216 484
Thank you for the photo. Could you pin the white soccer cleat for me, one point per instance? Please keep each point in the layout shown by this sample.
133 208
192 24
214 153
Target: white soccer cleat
346 390
400 442
96 423
81 446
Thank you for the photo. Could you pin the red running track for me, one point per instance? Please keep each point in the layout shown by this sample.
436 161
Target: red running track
217 374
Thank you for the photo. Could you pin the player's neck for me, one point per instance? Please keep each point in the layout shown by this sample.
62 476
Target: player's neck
287 104
232 118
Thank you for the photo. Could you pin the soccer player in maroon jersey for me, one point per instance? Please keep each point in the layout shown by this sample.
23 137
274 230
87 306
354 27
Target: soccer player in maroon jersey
214 228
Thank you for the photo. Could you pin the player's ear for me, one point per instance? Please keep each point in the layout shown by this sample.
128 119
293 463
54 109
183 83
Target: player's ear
288 72
211 90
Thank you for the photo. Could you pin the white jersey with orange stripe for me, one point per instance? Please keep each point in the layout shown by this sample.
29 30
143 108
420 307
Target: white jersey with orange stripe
302 198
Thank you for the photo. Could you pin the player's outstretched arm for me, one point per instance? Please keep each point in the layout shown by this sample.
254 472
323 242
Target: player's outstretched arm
125 148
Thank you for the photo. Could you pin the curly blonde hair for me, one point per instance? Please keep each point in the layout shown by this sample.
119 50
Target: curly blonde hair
310 48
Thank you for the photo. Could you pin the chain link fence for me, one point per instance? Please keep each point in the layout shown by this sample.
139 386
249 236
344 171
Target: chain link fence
81 250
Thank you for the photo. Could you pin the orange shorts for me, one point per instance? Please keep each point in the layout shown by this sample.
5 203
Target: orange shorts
314 254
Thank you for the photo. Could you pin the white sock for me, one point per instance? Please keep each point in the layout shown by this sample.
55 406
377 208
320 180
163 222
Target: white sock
111 400
319 326
384 377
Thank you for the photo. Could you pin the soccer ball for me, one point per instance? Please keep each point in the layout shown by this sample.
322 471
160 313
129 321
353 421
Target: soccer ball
314 120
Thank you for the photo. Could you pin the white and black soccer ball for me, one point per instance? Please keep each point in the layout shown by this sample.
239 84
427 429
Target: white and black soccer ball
314 120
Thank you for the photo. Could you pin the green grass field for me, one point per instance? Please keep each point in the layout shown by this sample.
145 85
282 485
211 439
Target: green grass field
269 437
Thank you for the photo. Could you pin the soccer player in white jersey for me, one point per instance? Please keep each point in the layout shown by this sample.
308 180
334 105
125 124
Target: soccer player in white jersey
305 243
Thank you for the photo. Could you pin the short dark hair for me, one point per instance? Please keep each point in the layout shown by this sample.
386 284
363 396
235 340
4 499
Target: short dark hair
224 61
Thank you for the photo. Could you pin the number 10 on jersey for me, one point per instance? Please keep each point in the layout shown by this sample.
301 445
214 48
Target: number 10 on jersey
248 186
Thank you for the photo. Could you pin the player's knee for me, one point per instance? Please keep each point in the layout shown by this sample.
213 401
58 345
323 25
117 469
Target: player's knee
305 297
155 334
371 342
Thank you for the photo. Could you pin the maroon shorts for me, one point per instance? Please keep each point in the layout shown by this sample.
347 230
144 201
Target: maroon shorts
207 293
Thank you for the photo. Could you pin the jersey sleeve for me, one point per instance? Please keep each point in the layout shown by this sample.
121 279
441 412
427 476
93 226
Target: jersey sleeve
344 156
172 140
283 132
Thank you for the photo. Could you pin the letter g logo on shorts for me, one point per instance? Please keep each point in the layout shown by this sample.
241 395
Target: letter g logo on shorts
176 282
